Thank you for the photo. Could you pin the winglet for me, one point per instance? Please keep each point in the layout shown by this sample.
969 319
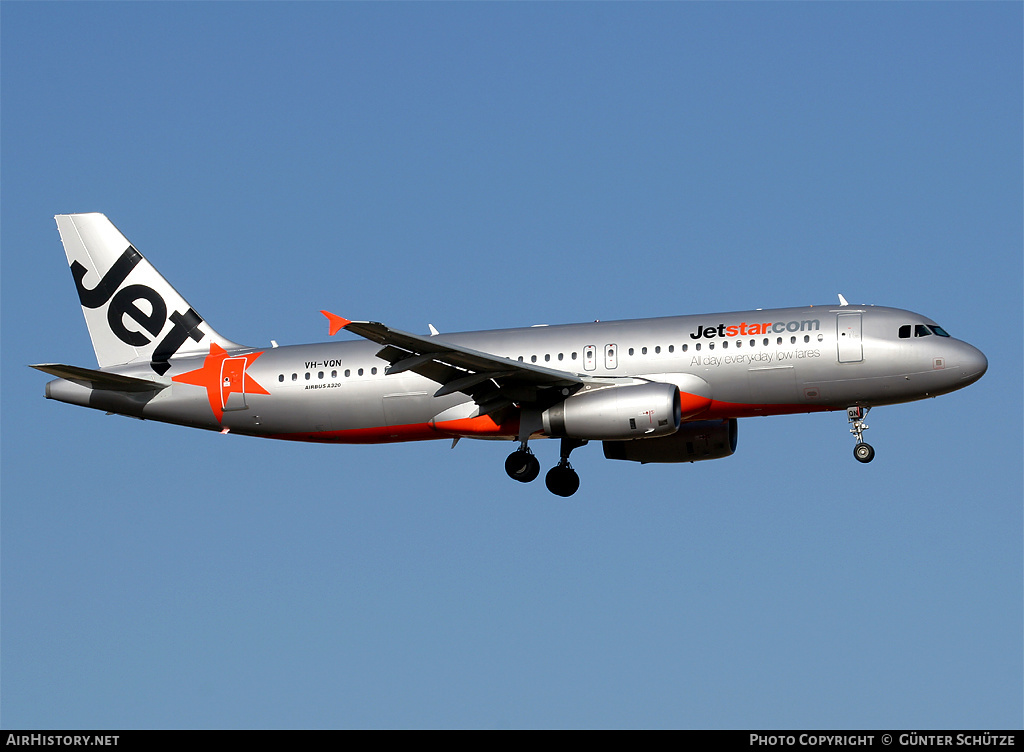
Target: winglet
336 322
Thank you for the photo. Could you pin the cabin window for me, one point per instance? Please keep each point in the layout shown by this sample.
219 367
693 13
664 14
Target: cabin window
281 377
360 372
547 357
320 375
307 375
685 348
657 350
533 358
348 372
334 374
671 348
295 376
631 351
643 350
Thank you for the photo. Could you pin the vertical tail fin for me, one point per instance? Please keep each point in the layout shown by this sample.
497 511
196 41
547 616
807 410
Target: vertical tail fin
132 312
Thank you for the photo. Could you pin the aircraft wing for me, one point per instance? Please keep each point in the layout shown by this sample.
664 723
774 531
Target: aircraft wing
491 380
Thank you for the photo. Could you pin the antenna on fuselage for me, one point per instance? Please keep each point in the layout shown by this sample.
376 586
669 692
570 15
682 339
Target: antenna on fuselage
842 300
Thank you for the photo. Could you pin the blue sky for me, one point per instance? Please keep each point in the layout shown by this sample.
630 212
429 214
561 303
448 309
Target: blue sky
488 165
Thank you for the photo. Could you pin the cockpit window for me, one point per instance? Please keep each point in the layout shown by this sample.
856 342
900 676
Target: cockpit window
921 330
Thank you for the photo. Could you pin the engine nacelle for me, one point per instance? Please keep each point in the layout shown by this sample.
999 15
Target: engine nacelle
613 413
699 440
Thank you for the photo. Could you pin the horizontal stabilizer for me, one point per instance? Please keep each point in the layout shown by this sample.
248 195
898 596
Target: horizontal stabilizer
100 379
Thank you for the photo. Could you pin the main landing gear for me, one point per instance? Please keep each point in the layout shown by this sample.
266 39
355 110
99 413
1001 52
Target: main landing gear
561 480
521 465
862 452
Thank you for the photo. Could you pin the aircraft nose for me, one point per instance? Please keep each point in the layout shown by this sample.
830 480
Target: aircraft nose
973 363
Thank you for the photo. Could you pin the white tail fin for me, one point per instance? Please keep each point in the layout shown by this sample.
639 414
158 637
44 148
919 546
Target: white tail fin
132 312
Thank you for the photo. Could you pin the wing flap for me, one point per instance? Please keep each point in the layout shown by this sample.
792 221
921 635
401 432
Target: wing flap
471 380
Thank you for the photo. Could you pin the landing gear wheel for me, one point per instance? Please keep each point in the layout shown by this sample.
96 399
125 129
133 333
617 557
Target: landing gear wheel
864 452
522 466
562 480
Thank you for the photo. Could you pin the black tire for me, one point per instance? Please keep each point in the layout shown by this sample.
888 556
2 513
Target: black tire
864 452
562 481
522 466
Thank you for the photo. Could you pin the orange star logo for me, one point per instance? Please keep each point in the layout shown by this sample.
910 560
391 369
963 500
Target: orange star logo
223 375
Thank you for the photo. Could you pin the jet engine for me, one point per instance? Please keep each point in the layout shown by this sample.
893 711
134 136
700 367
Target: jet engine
699 440
622 412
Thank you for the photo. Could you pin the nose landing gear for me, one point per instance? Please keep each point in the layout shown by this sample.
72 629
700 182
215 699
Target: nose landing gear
862 452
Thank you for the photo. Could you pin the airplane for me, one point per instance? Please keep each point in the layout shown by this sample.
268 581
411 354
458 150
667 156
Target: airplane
651 390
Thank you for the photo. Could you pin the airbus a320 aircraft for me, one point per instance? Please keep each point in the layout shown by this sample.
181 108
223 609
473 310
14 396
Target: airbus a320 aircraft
652 390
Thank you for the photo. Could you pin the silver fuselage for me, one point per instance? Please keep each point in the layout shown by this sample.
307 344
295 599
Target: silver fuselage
761 362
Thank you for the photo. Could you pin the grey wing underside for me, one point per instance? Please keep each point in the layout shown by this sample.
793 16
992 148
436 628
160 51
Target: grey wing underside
493 382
